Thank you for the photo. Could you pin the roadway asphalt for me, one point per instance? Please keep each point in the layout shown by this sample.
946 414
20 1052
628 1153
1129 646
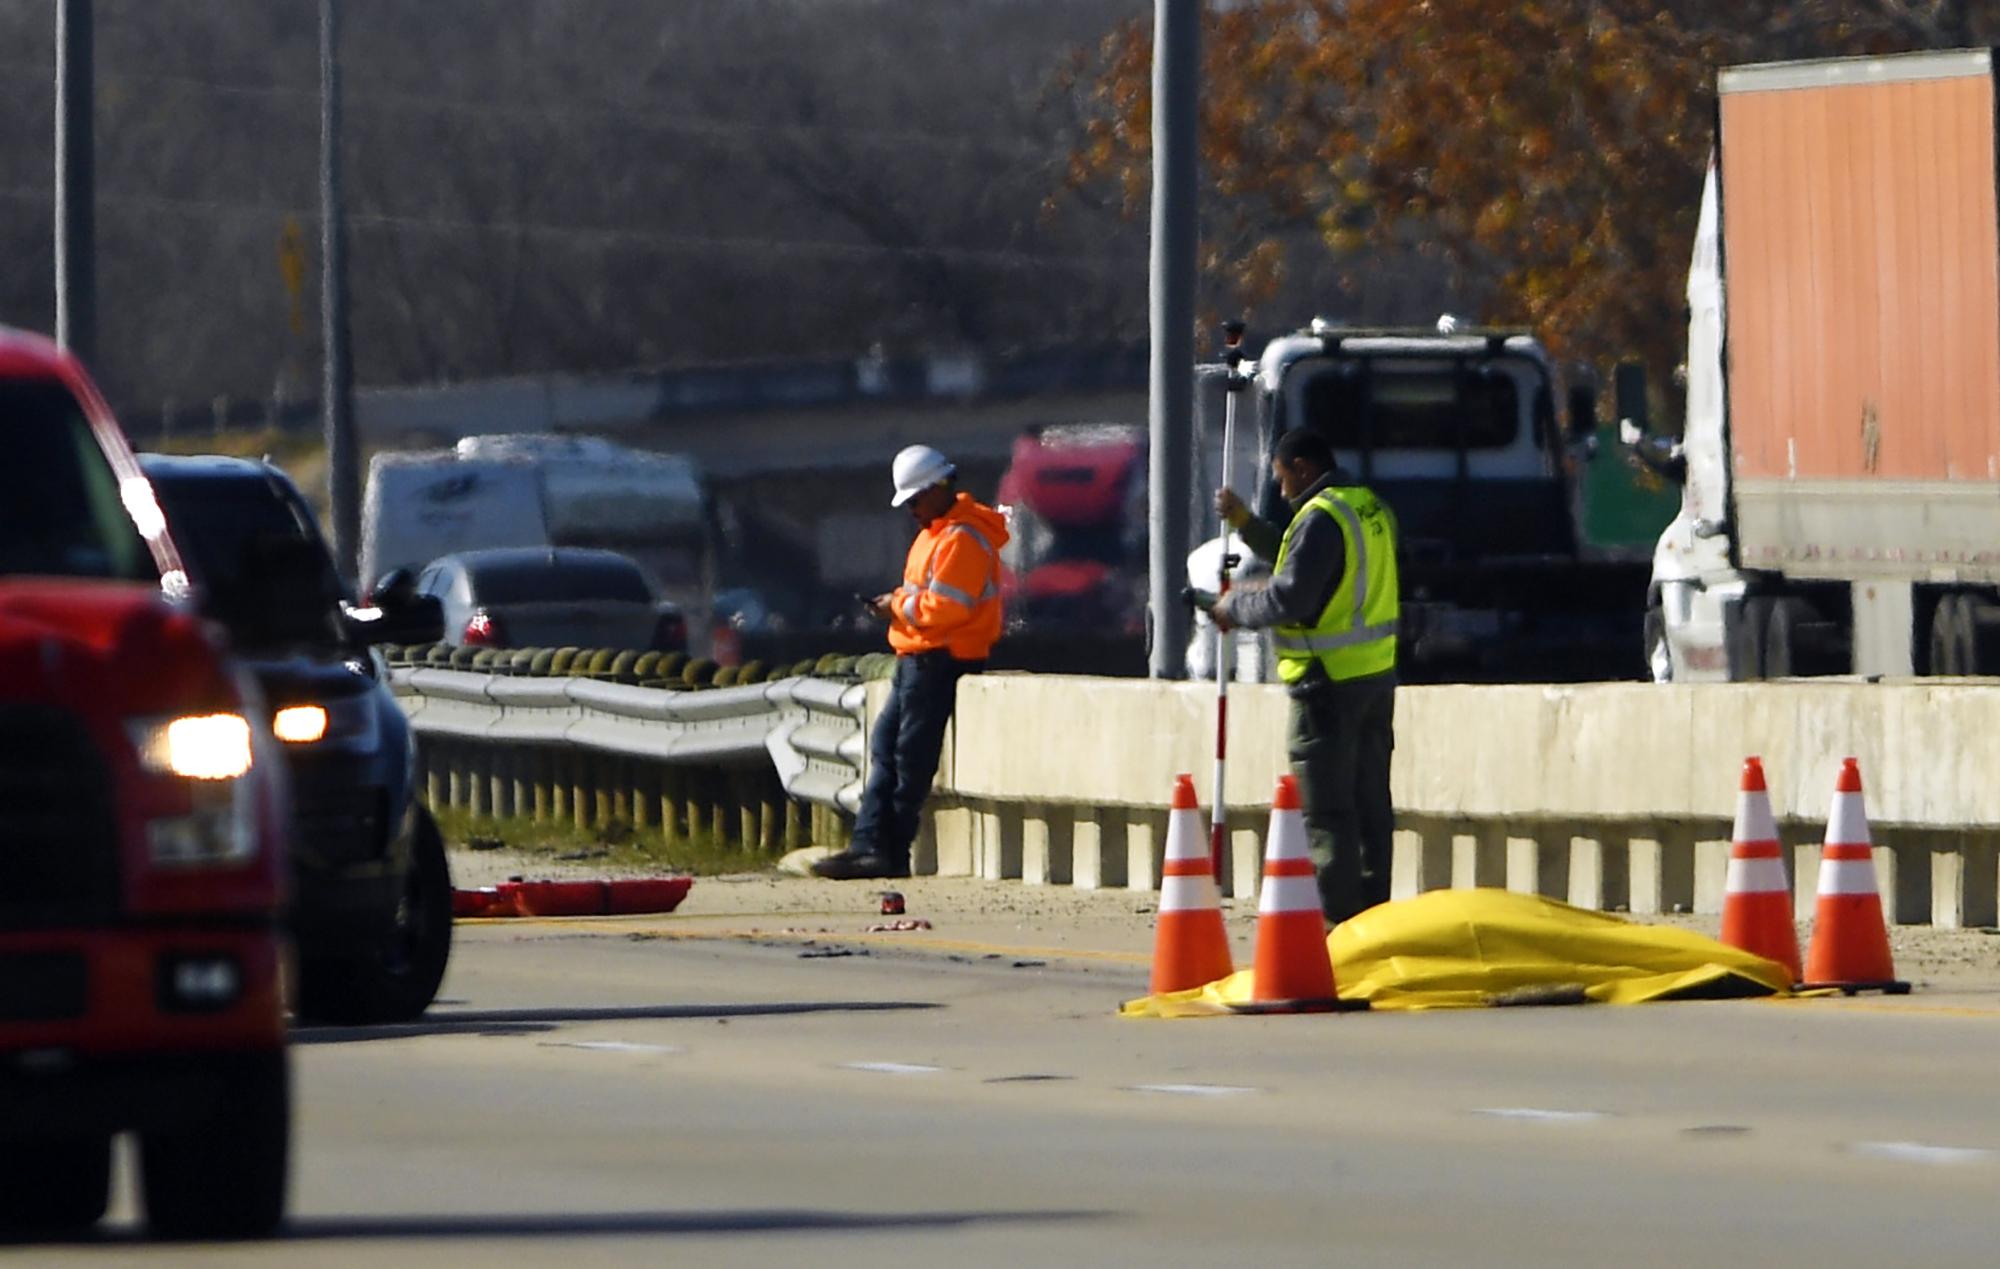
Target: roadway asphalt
682 1090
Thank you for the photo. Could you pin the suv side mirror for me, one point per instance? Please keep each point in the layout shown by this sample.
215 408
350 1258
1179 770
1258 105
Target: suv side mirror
396 613
1631 389
395 587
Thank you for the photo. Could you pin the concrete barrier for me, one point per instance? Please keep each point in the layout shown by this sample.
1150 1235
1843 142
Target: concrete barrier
1613 796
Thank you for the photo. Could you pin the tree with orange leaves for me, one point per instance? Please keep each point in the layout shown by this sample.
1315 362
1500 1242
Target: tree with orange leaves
1549 152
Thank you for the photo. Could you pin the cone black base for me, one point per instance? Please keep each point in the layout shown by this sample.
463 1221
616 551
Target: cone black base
1888 987
1299 1006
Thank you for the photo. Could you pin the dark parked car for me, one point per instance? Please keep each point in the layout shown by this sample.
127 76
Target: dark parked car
551 596
371 901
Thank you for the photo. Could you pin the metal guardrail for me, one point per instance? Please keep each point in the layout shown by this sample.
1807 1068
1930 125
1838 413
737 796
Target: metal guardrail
504 745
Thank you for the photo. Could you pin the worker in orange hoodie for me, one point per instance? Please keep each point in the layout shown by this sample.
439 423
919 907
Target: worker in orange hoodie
943 620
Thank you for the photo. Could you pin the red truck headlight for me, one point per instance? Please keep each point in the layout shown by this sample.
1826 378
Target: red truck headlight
212 752
195 747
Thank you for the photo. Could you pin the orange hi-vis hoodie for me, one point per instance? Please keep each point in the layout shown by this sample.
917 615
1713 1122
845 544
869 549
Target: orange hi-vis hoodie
950 596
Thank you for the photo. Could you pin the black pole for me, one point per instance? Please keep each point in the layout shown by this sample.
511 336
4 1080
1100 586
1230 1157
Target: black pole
337 384
76 180
1170 416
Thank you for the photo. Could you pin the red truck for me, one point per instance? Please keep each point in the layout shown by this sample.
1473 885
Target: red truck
1077 558
142 819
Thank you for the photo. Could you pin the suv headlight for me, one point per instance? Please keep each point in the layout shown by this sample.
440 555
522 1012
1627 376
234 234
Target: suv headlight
336 719
196 747
299 724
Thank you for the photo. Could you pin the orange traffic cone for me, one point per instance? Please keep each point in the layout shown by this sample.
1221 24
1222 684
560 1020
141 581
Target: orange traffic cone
1850 941
1190 947
1757 907
1293 970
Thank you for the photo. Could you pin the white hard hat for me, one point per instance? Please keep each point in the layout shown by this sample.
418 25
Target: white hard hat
916 469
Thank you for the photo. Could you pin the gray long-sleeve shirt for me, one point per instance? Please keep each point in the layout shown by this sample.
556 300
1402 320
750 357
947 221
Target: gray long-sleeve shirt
1298 592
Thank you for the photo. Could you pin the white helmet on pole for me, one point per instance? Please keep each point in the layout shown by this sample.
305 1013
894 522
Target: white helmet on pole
916 469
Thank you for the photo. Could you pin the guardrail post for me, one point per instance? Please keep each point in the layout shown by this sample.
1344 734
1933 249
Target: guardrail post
1047 839
603 782
1089 862
771 813
500 774
556 770
717 811
618 772
454 776
1243 854
1144 849
437 783
643 782
1479 857
479 773
540 778
673 805
1599 873
1711 876
1536 865
578 764
798 826
521 782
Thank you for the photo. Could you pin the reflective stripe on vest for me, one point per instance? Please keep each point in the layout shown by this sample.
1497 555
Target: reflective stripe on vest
1344 639
945 589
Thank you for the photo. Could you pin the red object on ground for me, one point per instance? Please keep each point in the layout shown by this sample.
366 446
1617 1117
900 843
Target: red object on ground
557 898
628 897
649 894
486 901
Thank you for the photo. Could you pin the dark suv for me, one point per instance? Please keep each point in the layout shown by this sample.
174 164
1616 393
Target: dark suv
371 911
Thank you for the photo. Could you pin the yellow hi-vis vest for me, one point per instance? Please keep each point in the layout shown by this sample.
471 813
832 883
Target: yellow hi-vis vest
1355 635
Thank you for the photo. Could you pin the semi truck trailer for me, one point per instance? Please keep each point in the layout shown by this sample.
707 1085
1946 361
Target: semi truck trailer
1840 451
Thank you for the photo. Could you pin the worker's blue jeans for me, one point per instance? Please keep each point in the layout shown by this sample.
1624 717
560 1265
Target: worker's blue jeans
903 752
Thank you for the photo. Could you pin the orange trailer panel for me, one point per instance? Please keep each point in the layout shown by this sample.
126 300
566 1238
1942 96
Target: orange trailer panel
1863 296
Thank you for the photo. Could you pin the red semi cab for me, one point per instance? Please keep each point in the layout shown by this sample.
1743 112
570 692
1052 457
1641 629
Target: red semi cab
141 821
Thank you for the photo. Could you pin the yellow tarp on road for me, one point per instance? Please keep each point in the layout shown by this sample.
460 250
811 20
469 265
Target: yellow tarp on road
1456 949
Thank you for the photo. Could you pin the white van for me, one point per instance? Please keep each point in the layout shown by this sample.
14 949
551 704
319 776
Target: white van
544 490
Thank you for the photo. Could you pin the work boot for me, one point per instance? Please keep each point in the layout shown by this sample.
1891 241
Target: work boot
859 865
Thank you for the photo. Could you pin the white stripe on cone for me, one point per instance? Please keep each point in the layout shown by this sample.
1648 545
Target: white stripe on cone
1288 894
1185 838
1757 876
1189 894
1754 822
1847 822
1288 837
1847 876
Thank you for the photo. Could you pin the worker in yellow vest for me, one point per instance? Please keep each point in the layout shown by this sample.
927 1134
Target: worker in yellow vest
1332 608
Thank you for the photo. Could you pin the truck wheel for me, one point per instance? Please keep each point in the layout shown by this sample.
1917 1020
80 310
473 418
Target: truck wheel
54 1185
224 1177
1659 657
1744 639
1782 637
397 981
1952 637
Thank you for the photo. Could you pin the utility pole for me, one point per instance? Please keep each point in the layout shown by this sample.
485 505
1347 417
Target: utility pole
1170 411
337 383
76 180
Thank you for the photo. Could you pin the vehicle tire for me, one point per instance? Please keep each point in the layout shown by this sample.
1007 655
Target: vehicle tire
1745 639
397 981
1659 663
59 1185
1952 637
1783 657
224 1177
